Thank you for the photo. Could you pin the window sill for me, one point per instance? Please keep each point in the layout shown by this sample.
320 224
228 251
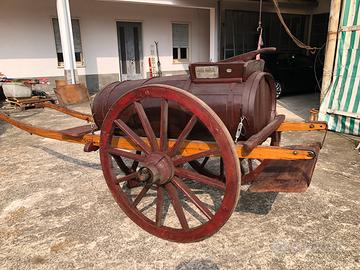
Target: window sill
185 61
77 66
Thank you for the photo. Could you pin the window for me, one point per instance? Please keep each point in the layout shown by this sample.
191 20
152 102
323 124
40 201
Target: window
77 42
180 36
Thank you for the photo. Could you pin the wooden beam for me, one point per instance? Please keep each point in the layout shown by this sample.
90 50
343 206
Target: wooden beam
302 126
76 114
193 147
188 147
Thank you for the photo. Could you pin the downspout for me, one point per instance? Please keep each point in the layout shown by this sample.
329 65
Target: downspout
219 28
215 32
330 52
67 40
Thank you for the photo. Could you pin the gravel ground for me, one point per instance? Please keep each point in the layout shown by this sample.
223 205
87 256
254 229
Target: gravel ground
57 213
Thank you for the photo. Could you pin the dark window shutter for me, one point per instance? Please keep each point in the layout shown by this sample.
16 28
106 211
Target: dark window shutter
180 35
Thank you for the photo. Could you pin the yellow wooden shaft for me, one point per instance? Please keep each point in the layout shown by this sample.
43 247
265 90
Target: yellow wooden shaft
188 147
302 126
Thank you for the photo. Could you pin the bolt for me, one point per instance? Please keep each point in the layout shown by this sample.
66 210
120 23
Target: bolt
312 126
311 154
295 153
144 174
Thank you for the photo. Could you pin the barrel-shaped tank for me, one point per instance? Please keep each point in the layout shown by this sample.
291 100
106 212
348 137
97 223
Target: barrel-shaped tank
252 99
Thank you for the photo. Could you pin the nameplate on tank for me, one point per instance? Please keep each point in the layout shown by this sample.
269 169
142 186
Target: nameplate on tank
216 72
207 72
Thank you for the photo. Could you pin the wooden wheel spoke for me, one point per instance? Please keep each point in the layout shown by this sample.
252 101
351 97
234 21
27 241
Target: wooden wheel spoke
147 126
164 120
142 194
204 154
191 195
250 164
117 152
215 183
159 205
189 126
203 163
135 163
132 135
126 178
119 161
175 200
221 167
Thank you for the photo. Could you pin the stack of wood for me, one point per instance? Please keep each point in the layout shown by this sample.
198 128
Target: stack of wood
28 103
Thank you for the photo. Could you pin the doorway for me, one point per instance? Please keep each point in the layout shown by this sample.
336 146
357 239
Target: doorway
130 50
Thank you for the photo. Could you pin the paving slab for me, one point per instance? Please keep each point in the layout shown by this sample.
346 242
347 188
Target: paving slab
57 213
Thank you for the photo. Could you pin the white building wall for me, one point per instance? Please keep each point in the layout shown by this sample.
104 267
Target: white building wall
27 46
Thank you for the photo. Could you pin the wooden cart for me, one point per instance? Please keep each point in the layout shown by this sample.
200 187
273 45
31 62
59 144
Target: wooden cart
174 185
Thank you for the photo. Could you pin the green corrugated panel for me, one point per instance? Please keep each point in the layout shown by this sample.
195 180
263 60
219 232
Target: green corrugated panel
340 107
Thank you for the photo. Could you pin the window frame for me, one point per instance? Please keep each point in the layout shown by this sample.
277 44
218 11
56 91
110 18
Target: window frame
60 64
188 49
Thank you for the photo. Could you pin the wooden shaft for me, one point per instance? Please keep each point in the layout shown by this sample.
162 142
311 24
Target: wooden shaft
302 126
188 147
76 114
42 132
265 133
249 55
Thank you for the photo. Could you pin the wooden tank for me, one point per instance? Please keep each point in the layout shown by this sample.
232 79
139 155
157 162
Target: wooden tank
234 90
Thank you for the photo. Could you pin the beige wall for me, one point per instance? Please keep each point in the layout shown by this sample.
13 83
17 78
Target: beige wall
27 47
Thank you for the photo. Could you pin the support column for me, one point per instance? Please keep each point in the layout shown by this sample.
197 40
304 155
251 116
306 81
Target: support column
67 40
331 43
215 32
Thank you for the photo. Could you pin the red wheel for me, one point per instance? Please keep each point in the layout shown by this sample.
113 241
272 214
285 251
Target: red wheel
173 202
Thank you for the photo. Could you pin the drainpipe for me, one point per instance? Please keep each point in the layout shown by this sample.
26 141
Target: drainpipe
213 35
215 28
331 43
219 28
67 40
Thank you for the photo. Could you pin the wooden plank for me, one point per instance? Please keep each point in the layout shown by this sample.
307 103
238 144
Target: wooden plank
302 126
76 114
286 175
187 148
79 131
194 147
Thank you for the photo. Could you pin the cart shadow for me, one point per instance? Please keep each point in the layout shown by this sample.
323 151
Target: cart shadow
256 203
250 202
3 129
69 159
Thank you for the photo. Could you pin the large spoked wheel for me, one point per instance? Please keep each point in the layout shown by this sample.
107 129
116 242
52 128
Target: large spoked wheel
172 202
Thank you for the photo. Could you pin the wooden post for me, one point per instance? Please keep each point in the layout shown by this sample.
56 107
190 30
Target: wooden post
330 51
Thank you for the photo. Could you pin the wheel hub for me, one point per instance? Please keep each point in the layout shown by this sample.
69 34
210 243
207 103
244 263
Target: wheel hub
158 169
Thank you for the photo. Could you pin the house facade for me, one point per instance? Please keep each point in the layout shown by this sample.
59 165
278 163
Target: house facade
113 40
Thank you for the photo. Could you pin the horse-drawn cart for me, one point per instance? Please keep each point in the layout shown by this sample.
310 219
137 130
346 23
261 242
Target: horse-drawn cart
175 150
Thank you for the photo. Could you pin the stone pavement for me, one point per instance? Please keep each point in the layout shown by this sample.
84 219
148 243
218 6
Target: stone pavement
57 213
